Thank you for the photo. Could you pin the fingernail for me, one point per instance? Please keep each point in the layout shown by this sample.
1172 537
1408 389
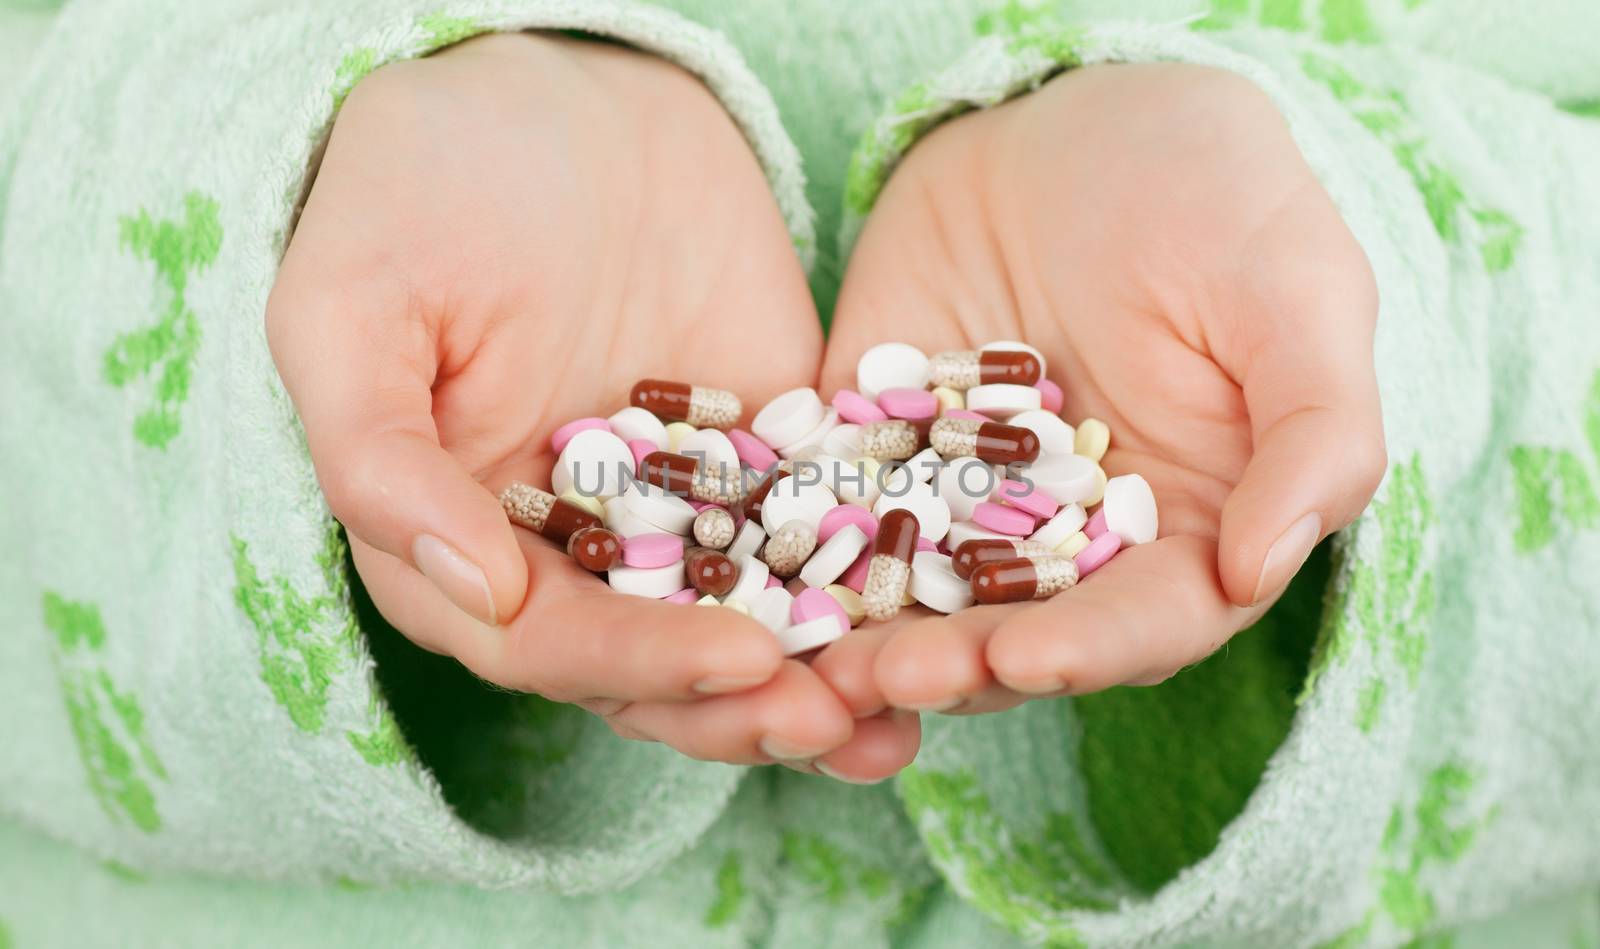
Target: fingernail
1287 553
1039 686
940 706
456 577
718 685
845 778
774 747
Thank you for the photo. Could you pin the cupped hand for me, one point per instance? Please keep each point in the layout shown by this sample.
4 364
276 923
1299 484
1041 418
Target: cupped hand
1154 230
502 238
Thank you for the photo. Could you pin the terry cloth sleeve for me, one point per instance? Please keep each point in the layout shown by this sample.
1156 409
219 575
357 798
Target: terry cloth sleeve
184 678
1439 763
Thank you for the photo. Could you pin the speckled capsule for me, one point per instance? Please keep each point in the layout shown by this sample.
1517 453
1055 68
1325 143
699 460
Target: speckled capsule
788 548
1024 578
990 442
685 477
964 369
889 570
714 528
699 406
971 554
544 513
894 440
595 549
709 571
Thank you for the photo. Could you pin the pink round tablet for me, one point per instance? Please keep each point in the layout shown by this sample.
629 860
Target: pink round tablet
1023 496
652 550
843 514
855 576
751 450
1094 556
913 405
688 596
854 407
1096 525
773 581
564 434
924 543
1003 519
965 413
641 447
815 603
1050 397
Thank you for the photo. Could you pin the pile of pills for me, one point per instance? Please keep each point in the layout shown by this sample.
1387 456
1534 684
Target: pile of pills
949 481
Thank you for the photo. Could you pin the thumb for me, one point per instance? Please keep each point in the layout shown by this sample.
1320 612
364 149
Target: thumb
361 384
1317 430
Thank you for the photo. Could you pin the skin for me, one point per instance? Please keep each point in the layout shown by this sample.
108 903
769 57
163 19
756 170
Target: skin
504 237
1154 230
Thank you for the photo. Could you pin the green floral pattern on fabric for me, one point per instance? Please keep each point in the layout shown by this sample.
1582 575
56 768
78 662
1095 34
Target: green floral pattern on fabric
1336 21
438 30
179 249
1554 484
729 894
1456 217
354 67
107 721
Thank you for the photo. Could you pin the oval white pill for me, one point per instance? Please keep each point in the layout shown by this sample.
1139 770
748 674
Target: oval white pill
833 558
891 366
862 491
964 483
624 523
813 439
804 637
963 531
654 582
712 449
595 463
844 441
771 608
636 424
1055 436
1070 479
935 584
933 515
747 541
1130 508
798 499
655 506
1003 400
752 580
1011 346
788 418
1068 521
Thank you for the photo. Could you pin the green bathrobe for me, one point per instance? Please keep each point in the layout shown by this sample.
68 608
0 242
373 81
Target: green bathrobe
210 738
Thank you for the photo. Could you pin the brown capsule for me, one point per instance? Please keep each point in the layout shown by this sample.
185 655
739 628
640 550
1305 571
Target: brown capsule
894 440
710 571
969 555
683 476
595 549
752 502
897 535
990 442
889 571
964 369
1023 578
679 402
544 513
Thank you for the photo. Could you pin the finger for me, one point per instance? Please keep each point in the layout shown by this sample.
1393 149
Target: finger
846 666
936 664
1152 610
1306 367
578 640
359 364
794 718
880 747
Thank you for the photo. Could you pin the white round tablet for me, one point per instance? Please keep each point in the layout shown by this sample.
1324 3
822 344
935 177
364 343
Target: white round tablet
1130 508
1012 345
771 608
1003 400
654 582
747 541
933 515
833 558
1055 436
712 449
797 499
963 531
621 520
804 637
844 441
935 584
964 483
788 418
891 366
654 505
1068 521
636 424
752 580
1070 479
812 441
595 463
